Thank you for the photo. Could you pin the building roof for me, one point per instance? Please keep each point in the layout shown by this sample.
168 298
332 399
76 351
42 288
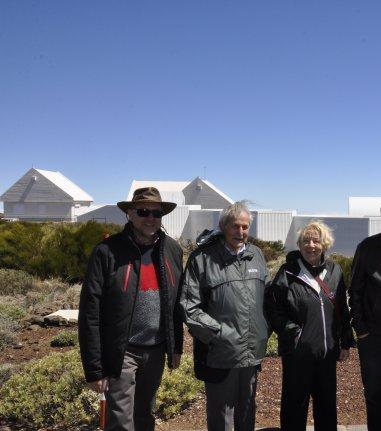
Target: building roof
170 191
212 186
74 191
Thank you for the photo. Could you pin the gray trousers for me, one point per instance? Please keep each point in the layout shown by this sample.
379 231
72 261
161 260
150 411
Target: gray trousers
130 399
232 401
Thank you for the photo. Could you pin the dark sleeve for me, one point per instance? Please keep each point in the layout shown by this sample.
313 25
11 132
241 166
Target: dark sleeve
276 304
356 292
346 334
200 323
89 318
177 314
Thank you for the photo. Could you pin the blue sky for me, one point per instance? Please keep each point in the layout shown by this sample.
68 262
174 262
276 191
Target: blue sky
277 101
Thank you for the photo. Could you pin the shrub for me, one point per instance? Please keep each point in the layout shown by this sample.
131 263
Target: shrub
7 331
272 345
345 263
178 388
15 281
6 370
11 311
49 392
64 338
274 265
52 295
50 249
271 249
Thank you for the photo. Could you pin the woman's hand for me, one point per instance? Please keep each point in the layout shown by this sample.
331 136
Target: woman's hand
344 355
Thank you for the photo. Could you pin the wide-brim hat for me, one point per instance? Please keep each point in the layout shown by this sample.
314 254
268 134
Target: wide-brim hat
147 195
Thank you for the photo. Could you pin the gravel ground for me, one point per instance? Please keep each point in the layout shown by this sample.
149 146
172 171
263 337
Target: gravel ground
350 406
350 402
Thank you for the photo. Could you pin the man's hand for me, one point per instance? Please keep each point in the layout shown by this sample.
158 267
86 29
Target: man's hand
176 360
344 355
100 385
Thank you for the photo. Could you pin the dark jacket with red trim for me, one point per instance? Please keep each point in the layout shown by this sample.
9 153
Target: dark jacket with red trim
307 322
108 298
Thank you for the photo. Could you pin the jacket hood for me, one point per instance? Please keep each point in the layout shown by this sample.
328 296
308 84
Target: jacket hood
208 236
292 262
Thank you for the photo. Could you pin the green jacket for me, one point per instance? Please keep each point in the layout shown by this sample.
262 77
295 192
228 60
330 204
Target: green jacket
222 299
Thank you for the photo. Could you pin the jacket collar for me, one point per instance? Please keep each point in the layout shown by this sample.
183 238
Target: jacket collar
128 234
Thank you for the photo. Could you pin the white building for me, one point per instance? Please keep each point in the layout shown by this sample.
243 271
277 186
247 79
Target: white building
364 206
199 203
42 195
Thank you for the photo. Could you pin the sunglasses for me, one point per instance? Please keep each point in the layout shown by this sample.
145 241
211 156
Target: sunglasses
144 212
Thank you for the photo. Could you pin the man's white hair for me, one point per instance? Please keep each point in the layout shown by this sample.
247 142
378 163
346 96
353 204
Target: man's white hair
233 211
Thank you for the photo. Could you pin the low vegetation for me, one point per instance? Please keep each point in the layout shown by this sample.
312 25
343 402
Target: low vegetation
65 339
49 392
50 249
178 388
52 392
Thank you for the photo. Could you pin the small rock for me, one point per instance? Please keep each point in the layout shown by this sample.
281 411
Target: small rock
55 321
18 346
72 322
34 328
37 320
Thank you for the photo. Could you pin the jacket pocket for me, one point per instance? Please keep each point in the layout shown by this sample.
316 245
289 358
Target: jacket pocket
289 339
224 349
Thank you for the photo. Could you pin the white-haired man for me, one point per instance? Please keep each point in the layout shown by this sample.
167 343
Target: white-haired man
222 300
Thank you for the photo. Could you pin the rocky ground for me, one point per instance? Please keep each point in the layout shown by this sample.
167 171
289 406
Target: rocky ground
35 343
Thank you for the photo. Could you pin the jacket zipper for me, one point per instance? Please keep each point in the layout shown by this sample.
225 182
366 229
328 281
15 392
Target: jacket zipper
319 298
324 327
127 276
170 272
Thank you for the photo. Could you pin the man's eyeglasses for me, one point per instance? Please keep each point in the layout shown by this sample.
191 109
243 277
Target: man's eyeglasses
144 212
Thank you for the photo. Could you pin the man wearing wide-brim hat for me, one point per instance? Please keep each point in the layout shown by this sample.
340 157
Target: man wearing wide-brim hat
129 315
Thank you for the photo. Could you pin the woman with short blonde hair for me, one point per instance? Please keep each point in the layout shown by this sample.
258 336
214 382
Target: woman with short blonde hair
307 307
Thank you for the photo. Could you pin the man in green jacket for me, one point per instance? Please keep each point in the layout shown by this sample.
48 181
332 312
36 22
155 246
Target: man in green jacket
222 299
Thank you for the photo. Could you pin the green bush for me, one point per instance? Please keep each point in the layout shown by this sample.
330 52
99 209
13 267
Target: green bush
6 370
50 249
52 295
13 312
271 249
272 345
64 339
7 331
15 281
49 392
345 262
178 388
274 265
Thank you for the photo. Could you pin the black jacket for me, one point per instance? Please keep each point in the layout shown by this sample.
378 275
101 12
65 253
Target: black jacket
365 289
305 321
108 298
